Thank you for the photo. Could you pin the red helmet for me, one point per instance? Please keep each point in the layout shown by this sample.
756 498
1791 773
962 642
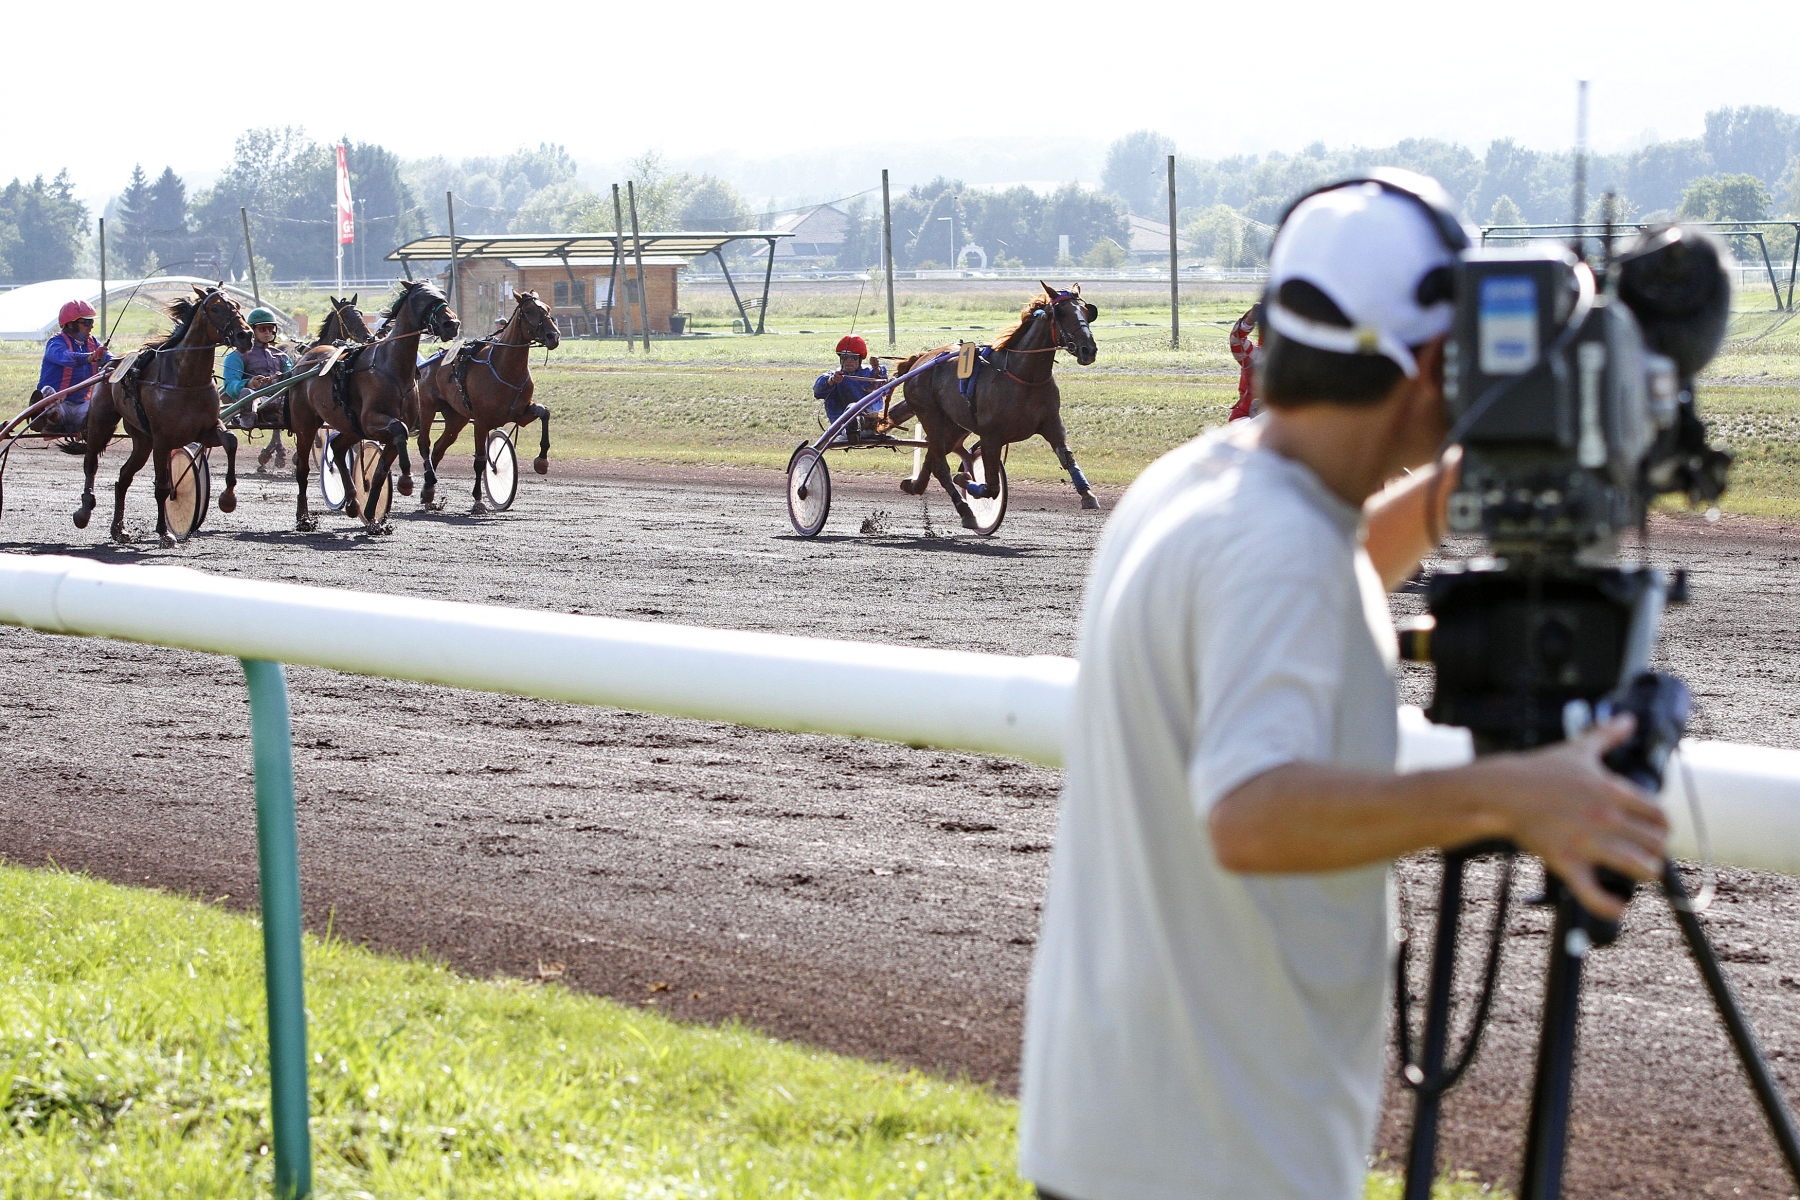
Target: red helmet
74 310
851 344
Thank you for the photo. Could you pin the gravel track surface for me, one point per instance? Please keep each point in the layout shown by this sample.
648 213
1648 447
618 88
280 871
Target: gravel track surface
867 898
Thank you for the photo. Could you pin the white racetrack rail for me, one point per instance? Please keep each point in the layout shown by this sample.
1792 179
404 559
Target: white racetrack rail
952 700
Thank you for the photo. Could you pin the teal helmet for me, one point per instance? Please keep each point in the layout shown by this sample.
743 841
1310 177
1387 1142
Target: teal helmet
260 316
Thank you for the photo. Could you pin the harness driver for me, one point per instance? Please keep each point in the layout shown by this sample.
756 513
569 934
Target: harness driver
71 356
848 384
265 363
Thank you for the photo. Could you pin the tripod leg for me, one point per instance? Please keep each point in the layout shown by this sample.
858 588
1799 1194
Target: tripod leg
1547 1137
1781 1122
1421 1153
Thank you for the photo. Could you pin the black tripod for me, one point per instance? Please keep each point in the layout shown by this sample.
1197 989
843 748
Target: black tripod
1586 635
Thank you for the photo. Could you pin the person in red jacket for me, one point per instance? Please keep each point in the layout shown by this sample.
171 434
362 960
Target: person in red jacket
1244 350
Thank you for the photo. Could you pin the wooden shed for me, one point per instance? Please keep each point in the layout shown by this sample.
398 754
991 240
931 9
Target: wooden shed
589 280
580 293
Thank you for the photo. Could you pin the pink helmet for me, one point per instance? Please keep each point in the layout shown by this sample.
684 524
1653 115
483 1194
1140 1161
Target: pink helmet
74 310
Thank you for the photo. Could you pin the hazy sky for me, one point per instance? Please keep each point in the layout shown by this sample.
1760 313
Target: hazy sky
102 85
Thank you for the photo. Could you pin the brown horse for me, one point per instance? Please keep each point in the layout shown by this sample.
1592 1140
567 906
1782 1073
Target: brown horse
369 393
487 382
343 323
167 400
1014 396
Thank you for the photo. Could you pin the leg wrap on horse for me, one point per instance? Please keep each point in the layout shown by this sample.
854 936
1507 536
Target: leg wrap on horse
1067 457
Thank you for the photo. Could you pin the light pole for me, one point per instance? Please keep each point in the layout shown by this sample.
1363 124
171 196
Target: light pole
952 221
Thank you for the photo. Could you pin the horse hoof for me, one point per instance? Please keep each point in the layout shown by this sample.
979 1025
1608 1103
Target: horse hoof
478 509
906 485
541 465
120 536
405 485
351 507
969 521
960 479
167 541
228 502
307 524
81 516
1088 501
434 506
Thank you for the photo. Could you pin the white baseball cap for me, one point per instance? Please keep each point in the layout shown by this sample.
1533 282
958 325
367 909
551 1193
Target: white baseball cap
1372 246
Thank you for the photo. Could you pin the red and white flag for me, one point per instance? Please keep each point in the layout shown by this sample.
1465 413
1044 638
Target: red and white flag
346 215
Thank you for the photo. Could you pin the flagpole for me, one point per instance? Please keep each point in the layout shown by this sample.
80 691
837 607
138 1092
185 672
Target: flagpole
343 216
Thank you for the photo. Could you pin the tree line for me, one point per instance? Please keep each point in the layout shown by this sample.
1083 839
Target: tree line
1744 167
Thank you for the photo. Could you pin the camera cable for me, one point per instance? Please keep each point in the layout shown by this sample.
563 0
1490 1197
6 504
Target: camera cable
1412 1074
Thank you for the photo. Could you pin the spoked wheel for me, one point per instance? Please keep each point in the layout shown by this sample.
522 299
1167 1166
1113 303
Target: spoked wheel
331 485
989 507
374 492
808 491
190 491
500 482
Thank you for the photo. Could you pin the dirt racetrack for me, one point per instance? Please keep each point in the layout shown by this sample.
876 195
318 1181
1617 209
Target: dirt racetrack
863 897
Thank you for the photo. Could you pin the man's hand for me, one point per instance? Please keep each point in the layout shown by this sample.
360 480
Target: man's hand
1567 808
259 381
837 377
1560 803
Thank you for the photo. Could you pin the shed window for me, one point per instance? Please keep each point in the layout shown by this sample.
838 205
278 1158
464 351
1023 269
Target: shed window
566 295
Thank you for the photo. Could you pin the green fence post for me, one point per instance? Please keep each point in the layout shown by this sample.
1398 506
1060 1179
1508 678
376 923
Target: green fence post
278 859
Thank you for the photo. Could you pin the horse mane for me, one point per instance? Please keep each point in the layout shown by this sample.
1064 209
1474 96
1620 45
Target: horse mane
407 288
1035 306
182 311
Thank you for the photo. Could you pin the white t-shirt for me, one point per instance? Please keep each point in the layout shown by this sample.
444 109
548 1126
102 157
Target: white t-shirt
1192 1032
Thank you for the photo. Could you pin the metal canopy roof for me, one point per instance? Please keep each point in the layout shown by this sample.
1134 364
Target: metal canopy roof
585 245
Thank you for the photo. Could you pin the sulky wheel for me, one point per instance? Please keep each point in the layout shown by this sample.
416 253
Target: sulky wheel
374 493
808 491
331 485
990 507
500 482
190 491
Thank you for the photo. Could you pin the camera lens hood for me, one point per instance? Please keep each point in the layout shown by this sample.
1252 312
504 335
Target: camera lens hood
1674 281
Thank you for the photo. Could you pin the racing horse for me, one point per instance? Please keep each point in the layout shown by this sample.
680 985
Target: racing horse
488 381
167 399
369 393
343 323
1011 396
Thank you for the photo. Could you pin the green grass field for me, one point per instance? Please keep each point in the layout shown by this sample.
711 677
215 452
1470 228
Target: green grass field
133 1062
747 401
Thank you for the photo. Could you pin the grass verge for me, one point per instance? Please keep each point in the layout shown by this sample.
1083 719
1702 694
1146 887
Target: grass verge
133 1062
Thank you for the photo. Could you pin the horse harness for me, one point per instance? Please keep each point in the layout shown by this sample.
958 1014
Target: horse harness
345 366
132 382
975 357
480 352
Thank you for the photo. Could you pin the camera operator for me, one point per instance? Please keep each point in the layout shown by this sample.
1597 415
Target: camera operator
1206 1012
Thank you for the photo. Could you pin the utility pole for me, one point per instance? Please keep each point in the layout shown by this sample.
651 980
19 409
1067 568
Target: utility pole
450 208
618 260
887 243
1174 268
637 252
250 253
102 278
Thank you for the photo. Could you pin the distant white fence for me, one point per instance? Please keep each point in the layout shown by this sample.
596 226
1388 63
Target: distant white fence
984 703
